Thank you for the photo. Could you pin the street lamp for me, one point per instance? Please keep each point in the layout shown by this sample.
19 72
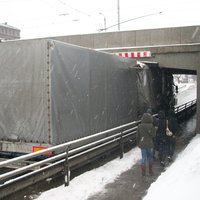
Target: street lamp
118 24
104 19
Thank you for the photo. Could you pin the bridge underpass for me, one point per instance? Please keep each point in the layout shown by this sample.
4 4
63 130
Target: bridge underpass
178 59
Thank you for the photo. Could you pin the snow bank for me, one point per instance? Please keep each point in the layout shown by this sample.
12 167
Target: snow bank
181 181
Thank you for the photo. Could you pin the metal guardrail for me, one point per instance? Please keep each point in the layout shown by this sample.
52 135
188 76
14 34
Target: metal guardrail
67 156
64 157
185 106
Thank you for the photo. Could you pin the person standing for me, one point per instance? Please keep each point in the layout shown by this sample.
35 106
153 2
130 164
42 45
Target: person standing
162 137
174 127
155 141
145 133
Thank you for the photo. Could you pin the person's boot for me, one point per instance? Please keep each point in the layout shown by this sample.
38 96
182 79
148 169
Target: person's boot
150 168
162 163
143 168
169 158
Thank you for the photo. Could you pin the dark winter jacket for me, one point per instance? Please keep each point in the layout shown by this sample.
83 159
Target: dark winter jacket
173 123
161 136
145 132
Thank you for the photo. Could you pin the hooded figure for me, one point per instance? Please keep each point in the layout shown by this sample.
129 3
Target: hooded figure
145 133
175 128
162 138
173 123
161 131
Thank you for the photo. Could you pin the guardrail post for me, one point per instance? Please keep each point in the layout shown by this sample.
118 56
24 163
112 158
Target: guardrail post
186 111
66 168
121 143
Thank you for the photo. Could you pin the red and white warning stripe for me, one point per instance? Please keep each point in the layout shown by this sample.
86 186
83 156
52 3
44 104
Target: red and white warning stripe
135 54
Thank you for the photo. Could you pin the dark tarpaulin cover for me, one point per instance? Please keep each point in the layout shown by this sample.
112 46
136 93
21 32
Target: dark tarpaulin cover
90 91
149 86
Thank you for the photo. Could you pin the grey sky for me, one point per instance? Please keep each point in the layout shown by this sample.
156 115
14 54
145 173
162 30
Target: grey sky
42 18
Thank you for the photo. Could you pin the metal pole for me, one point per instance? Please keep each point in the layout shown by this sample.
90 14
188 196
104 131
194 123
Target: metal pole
105 23
118 14
121 143
66 168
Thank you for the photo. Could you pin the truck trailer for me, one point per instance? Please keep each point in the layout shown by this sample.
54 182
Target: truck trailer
53 92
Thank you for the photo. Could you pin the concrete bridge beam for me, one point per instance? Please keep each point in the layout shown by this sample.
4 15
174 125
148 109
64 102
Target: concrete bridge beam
198 101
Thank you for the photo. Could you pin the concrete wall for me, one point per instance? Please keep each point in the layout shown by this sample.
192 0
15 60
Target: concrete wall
198 101
150 37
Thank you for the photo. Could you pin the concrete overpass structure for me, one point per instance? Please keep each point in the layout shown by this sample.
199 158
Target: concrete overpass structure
175 48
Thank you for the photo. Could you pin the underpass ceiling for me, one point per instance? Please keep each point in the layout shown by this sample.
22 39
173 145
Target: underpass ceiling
182 71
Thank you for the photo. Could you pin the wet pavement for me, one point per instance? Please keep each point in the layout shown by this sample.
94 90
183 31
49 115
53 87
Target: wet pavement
130 185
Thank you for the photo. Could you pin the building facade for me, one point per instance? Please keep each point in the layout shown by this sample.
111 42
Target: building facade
8 32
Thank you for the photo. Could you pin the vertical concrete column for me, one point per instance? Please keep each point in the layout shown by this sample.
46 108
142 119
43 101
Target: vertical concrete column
198 101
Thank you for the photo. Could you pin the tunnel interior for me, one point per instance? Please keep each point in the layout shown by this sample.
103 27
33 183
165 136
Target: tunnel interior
179 89
185 92
185 85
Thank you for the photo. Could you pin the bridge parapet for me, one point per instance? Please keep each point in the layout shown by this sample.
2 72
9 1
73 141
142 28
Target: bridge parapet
148 37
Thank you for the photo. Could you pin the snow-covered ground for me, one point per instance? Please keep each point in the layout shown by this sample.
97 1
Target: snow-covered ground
185 86
180 181
186 92
93 181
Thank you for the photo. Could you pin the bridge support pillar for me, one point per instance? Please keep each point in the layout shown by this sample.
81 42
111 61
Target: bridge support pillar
198 101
